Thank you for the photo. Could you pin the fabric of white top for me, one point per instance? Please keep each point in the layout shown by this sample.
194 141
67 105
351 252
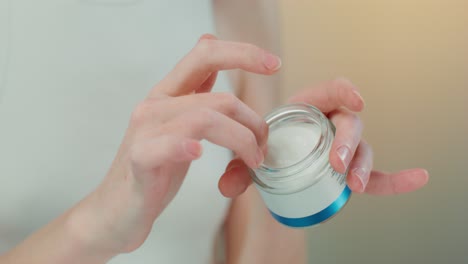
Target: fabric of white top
71 71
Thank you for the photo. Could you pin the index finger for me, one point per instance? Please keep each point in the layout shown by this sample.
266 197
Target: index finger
381 183
211 55
331 95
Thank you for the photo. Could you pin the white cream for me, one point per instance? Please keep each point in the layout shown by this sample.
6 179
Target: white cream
296 180
288 145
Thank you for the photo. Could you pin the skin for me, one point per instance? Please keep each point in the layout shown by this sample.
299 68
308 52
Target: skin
163 138
339 100
251 234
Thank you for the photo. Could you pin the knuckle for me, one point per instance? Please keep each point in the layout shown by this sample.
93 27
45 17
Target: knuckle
341 86
229 103
357 124
250 46
253 52
141 113
355 119
367 146
250 139
345 93
346 116
251 49
204 47
342 82
371 151
147 110
204 119
203 52
136 156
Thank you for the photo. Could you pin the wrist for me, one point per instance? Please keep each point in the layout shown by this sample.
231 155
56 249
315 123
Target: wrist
110 220
81 226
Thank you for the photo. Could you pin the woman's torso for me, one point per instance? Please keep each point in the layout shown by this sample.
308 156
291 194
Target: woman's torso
71 71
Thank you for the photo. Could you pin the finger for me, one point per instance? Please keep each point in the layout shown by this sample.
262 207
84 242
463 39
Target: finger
209 56
219 129
207 85
360 168
332 95
381 183
207 36
235 180
347 137
225 103
152 153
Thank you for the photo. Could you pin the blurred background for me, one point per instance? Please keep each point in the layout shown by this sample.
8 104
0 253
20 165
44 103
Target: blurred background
410 61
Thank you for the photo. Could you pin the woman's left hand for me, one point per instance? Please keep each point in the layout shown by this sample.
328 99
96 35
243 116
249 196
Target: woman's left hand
339 99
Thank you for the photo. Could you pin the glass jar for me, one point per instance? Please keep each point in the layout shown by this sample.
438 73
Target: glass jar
296 180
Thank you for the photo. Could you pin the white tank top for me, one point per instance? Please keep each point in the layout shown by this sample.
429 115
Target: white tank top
71 71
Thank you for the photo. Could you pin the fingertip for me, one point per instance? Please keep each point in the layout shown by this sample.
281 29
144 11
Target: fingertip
272 62
264 131
355 184
421 177
353 100
335 161
234 164
265 149
234 182
410 180
358 102
253 161
260 157
426 175
193 148
230 188
223 187
293 99
207 36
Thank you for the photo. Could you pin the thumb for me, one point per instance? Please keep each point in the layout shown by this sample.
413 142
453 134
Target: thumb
235 179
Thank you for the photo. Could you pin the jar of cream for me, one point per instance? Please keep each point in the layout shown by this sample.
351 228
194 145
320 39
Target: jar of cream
296 180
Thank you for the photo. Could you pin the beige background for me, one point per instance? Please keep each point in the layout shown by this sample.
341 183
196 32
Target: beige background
410 60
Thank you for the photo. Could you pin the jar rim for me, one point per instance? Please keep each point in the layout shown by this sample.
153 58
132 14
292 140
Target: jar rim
285 114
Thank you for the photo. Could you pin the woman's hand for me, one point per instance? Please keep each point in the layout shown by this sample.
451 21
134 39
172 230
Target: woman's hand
164 137
339 100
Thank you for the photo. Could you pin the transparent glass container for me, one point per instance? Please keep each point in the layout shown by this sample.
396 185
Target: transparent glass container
300 188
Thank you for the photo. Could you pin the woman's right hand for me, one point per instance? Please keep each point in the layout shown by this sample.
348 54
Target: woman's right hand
163 138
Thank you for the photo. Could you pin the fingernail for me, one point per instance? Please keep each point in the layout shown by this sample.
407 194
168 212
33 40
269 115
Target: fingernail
363 177
207 36
359 96
272 62
345 155
232 166
264 133
265 149
259 157
193 148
